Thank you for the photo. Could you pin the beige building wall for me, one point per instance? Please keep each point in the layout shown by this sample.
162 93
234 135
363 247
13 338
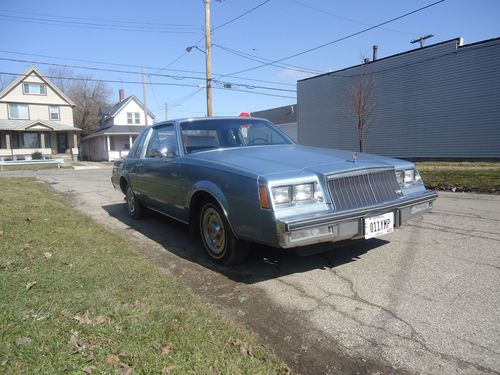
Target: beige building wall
16 95
41 112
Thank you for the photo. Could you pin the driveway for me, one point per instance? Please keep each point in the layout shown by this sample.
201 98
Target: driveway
425 299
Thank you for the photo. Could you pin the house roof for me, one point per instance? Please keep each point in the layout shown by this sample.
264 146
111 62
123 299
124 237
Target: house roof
116 130
27 73
280 115
111 111
40 125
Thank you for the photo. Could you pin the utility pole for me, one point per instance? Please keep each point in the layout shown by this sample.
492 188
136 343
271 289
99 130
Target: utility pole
208 58
144 90
166 112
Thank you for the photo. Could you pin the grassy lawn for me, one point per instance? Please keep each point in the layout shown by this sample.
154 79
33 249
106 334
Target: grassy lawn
465 176
76 298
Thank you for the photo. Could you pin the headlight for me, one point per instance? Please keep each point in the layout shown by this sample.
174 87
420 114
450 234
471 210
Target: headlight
303 192
282 194
408 177
289 195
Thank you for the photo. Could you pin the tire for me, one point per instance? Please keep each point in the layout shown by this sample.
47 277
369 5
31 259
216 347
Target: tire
134 207
218 238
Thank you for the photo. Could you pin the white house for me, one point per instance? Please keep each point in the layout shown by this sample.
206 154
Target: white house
120 126
36 116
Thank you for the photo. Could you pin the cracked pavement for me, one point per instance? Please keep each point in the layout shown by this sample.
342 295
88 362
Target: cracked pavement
425 299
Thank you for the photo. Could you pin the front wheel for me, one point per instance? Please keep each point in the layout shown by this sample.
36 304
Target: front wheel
134 207
218 238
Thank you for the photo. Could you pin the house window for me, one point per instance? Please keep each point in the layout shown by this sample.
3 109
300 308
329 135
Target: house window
18 112
54 114
34 89
31 140
47 140
129 118
137 116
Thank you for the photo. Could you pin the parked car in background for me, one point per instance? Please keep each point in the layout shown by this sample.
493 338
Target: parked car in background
241 180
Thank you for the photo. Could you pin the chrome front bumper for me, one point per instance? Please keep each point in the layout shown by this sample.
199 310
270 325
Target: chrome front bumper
332 227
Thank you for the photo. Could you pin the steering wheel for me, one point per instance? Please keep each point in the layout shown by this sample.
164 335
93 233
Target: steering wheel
262 141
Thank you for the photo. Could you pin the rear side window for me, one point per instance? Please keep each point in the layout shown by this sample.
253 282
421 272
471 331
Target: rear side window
135 151
163 142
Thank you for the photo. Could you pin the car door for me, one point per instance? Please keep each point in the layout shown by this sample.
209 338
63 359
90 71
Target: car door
160 171
133 162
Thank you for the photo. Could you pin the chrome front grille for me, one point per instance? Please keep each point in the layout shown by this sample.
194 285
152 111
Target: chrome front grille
365 188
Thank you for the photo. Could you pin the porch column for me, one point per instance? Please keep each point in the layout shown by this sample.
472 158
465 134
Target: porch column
7 141
108 145
75 140
42 140
129 142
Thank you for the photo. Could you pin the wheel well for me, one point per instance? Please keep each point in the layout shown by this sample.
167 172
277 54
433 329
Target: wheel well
197 200
123 185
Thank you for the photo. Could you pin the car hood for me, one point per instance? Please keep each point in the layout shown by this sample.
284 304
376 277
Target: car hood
267 161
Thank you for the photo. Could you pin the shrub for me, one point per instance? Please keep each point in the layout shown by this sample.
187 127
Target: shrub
37 155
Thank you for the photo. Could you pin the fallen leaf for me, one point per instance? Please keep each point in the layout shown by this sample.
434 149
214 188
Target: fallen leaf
166 370
89 369
29 219
47 255
126 369
83 319
156 345
167 349
30 285
1 233
118 329
101 319
90 357
23 341
75 341
9 266
244 347
113 360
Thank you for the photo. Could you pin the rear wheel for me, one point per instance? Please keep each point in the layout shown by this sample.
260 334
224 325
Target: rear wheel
134 207
218 238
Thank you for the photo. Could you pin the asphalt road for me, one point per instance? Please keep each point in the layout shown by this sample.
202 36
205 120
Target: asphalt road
425 299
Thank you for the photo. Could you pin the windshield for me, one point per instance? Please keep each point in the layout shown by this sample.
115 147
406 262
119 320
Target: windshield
204 135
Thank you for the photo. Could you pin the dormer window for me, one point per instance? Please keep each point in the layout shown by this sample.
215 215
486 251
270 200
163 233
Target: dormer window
34 89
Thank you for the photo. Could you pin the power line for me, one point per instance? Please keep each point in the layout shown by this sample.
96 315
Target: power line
128 22
139 66
149 74
89 25
240 16
262 59
151 83
345 18
340 39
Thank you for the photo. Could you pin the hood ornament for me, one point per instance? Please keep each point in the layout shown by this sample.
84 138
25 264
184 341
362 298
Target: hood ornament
354 157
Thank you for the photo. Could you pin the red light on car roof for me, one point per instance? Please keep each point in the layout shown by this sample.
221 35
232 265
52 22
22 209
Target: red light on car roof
244 114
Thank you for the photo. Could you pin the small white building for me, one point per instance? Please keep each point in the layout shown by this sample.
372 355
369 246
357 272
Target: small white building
120 126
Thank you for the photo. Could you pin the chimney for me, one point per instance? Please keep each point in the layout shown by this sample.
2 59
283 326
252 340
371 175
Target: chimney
366 60
121 94
375 49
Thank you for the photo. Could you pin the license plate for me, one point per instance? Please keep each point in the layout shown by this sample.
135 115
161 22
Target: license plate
379 225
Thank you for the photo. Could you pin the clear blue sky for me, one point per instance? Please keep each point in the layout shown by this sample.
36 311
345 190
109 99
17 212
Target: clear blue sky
68 31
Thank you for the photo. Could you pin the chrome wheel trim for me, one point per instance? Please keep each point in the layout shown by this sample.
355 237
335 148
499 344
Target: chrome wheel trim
213 232
130 201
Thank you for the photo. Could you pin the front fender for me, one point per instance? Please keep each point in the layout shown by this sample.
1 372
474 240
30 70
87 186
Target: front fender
214 191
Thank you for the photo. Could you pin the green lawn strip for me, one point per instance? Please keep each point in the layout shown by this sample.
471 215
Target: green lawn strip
486 180
130 313
471 164
31 167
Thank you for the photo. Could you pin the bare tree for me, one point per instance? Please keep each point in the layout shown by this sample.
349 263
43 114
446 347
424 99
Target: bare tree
361 106
88 94
5 80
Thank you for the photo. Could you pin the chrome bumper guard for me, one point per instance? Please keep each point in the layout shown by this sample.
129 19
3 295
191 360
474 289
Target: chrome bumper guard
333 227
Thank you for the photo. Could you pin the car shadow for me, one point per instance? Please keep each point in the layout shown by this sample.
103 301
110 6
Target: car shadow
264 262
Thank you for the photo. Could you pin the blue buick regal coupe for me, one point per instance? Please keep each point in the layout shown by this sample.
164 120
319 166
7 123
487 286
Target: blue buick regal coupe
241 180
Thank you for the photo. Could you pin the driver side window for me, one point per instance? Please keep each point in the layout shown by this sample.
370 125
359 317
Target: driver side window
162 143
